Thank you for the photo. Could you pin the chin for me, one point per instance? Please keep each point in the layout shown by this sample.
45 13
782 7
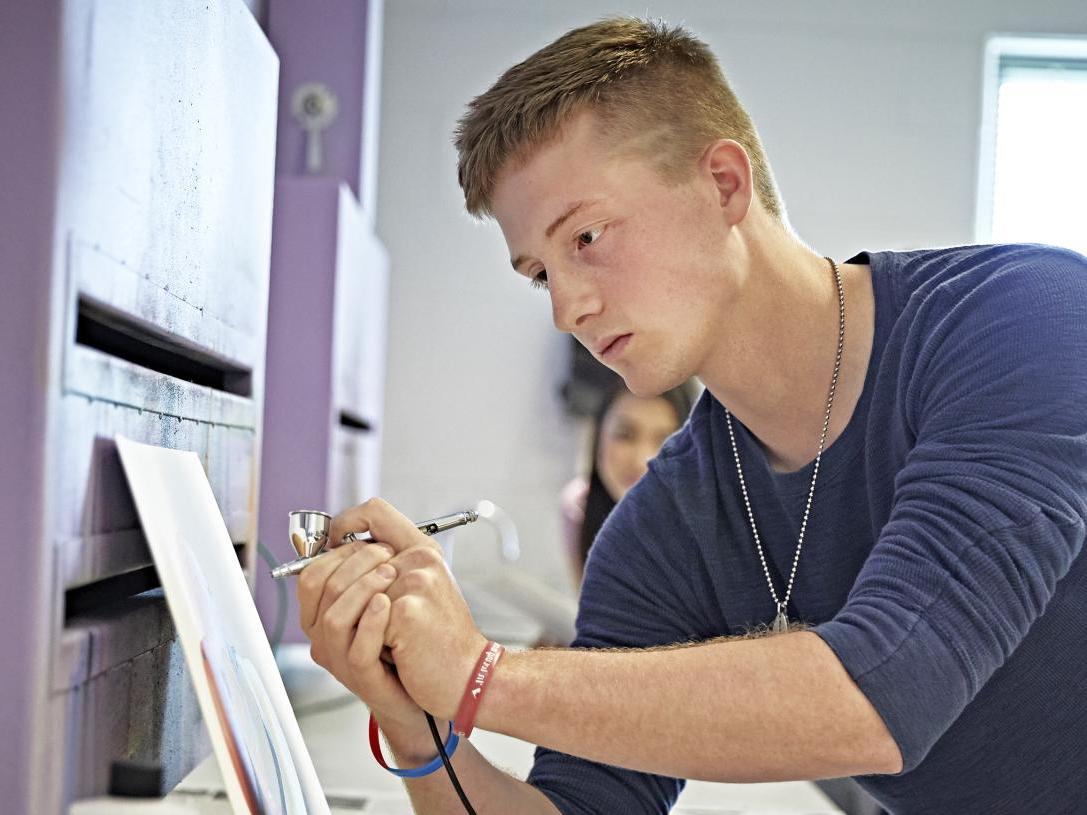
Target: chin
649 386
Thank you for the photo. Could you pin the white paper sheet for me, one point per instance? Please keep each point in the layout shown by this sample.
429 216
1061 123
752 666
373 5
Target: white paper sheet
266 767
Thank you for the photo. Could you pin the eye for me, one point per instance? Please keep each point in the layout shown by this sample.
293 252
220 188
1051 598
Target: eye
589 237
539 280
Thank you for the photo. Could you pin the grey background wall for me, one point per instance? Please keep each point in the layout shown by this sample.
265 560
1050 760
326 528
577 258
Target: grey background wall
869 112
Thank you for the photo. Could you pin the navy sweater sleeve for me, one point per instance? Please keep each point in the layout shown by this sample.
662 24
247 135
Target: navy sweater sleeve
632 597
988 509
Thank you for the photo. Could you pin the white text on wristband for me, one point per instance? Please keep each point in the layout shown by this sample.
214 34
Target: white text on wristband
477 684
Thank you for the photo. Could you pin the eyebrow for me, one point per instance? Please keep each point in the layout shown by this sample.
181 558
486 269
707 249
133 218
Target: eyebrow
555 224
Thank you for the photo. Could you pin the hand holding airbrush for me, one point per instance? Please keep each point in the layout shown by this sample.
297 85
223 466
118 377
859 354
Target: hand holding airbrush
398 596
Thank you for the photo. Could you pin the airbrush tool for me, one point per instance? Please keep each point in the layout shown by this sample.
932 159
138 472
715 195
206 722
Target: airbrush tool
308 531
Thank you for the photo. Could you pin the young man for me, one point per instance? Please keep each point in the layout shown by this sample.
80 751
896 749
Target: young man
891 449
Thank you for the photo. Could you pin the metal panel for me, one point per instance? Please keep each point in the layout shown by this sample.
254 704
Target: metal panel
105 279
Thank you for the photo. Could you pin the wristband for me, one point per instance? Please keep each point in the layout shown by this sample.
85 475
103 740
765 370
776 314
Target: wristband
465 719
375 746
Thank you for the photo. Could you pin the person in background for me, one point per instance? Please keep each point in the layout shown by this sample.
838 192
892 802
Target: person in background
628 431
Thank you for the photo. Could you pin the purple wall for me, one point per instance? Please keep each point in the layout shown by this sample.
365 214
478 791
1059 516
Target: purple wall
29 34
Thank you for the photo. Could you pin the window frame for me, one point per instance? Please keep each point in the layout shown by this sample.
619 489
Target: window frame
998 47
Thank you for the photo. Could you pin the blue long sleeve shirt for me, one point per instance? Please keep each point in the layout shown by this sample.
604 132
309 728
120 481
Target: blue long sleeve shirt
942 562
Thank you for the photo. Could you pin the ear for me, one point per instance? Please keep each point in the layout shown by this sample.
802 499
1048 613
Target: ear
726 162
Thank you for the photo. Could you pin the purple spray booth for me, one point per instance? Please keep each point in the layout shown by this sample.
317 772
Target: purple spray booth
135 231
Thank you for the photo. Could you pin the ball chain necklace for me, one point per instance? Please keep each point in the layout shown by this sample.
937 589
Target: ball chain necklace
781 620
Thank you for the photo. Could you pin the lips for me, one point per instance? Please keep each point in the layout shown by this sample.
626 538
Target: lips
612 346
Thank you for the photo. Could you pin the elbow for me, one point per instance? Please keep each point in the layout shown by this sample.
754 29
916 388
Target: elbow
882 755
873 749
863 752
891 763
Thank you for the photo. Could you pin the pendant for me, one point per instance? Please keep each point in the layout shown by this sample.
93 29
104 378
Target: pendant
781 622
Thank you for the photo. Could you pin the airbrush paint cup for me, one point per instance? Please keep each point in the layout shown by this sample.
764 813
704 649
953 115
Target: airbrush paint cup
308 530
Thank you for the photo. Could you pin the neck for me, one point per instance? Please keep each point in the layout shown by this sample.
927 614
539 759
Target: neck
773 361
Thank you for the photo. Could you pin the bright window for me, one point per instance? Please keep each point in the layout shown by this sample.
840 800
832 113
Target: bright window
1033 168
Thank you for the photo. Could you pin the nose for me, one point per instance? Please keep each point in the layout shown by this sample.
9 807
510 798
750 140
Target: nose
574 298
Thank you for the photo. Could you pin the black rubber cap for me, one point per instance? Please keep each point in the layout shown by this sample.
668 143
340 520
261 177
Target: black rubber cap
135 779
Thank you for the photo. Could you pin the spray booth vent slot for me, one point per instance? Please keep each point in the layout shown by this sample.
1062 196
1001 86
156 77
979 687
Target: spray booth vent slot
109 591
132 340
352 421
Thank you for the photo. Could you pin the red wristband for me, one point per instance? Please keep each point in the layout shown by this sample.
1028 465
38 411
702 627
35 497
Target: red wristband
465 719
375 743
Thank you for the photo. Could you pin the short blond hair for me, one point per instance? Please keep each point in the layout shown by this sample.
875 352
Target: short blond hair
656 87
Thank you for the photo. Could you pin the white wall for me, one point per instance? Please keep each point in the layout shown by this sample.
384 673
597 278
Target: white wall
869 112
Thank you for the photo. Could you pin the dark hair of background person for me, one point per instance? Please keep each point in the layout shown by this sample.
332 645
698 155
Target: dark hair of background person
598 503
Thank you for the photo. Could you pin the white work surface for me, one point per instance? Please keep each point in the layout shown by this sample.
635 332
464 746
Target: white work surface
334 728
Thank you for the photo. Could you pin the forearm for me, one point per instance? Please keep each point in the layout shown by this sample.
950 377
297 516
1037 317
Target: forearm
488 788
766 709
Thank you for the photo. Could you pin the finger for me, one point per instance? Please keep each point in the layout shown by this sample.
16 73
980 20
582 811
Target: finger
406 613
368 557
339 622
369 639
380 680
420 571
382 521
311 583
350 520
358 519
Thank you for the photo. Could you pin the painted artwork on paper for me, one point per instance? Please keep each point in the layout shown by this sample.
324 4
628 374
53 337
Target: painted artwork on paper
266 767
